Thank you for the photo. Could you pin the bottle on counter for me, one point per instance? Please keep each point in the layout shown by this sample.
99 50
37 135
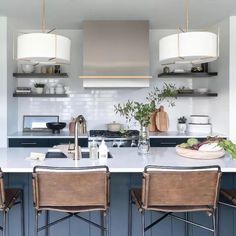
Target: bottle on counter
103 150
72 126
93 150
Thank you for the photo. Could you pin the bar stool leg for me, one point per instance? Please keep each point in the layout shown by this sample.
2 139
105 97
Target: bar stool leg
214 219
143 222
4 227
47 222
102 222
130 215
107 223
186 225
36 223
22 213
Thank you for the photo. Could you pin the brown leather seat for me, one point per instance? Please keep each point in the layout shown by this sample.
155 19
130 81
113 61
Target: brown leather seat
8 198
71 190
177 189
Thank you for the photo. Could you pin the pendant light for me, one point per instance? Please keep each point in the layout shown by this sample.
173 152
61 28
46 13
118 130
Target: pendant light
43 47
194 47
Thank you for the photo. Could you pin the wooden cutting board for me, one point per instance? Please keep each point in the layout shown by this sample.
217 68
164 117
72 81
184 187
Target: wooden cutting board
152 125
162 120
194 154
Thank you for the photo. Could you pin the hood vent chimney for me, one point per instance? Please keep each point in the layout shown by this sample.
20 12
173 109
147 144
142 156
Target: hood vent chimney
116 54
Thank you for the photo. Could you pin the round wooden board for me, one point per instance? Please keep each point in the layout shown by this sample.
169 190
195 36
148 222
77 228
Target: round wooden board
194 154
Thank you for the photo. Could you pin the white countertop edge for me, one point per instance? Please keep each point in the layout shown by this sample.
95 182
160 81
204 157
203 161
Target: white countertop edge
112 170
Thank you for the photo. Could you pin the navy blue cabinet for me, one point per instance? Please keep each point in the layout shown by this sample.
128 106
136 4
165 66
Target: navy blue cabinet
168 142
44 142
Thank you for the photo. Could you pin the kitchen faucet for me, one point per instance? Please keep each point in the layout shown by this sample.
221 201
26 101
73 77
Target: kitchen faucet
80 128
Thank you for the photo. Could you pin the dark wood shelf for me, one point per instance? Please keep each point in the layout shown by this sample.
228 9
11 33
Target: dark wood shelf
40 75
188 74
40 95
196 95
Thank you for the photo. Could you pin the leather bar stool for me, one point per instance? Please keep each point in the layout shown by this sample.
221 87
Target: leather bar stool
177 189
71 190
10 197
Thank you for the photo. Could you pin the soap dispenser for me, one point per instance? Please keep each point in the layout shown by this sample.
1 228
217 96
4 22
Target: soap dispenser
103 150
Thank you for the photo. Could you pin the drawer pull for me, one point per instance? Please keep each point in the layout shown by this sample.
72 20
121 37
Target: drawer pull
168 143
28 143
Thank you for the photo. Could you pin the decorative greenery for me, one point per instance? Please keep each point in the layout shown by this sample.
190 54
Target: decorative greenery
39 85
229 147
143 111
182 120
169 93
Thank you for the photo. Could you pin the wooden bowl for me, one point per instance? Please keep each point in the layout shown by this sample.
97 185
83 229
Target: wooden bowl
200 155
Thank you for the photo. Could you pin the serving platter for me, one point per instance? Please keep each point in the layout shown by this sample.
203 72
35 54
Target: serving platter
201 155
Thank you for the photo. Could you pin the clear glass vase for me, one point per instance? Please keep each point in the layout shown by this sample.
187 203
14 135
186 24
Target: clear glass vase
143 143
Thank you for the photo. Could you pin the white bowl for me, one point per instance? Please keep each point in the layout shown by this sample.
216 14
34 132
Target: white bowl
199 119
27 68
202 90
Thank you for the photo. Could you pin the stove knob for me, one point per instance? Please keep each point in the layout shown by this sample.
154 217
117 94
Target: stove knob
115 144
121 144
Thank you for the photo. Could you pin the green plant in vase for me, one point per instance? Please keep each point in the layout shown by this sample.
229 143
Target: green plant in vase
39 87
142 112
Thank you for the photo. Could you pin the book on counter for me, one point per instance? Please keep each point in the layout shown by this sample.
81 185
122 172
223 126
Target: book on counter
23 90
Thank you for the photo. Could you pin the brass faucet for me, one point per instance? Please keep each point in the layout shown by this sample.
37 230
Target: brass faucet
80 128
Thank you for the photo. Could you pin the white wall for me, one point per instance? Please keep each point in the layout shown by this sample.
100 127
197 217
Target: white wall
232 80
217 107
3 84
97 105
12 108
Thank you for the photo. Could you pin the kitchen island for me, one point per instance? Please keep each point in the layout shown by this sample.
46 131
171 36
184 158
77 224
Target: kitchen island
126 168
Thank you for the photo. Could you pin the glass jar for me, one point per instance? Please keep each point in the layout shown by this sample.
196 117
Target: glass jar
93 151
143 143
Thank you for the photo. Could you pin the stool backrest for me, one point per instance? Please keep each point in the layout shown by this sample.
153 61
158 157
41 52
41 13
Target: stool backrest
71 187
180 186
2 191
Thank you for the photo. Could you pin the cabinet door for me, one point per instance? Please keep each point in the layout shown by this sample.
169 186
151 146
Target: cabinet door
83 142
28 142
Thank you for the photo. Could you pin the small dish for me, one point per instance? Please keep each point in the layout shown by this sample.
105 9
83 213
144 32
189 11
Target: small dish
202 90
179 70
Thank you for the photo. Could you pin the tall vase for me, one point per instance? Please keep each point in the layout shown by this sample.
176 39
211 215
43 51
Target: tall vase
143 143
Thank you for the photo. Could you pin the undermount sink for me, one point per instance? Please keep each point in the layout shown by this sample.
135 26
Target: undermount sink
85 154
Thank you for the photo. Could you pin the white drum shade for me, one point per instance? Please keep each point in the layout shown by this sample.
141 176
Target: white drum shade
189 47
43 48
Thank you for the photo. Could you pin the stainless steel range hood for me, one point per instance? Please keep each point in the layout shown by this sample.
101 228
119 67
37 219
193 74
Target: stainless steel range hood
116 54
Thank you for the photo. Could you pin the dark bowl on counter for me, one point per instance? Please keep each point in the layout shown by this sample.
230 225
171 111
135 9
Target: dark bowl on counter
56 126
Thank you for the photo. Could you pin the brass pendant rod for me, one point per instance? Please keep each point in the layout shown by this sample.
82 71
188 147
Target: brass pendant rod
187 14
43 16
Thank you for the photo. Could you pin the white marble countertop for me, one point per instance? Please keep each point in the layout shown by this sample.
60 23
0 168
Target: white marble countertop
47 134
125 160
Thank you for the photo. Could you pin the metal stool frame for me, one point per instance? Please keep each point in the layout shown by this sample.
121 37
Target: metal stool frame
104 214
142 210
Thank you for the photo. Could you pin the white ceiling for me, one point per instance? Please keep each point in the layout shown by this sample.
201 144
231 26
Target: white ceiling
162 14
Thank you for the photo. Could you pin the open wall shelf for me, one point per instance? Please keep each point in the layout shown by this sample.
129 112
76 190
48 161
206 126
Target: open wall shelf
41 95
195 95
40 75
188 74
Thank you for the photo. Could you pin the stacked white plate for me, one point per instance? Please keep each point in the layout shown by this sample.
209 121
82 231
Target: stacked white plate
199 124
